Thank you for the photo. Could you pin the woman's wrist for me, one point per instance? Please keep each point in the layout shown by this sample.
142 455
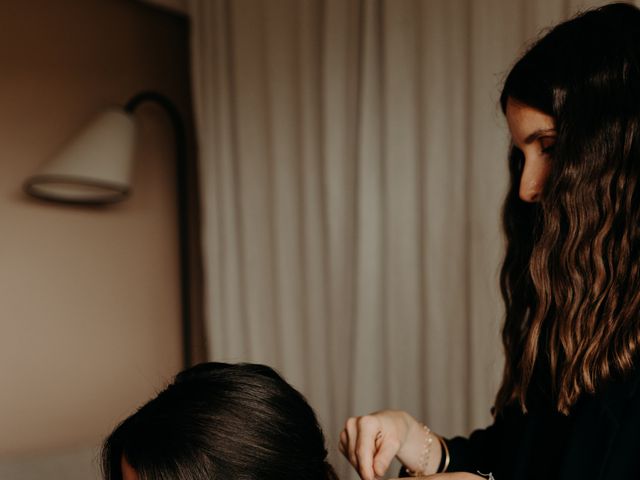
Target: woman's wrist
421 451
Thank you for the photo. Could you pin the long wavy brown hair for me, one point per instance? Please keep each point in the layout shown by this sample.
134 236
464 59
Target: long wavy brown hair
571 275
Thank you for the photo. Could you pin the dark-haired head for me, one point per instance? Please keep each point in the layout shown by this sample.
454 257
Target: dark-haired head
571 275
221 421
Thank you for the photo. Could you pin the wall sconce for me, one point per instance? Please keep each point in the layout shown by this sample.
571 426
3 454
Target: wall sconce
95 168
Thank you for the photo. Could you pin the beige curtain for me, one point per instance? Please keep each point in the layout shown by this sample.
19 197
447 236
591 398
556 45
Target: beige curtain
353 162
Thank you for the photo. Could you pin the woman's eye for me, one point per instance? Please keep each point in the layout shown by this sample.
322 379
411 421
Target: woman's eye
547 145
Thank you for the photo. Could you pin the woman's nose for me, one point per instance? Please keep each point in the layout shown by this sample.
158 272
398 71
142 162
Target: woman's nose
534 176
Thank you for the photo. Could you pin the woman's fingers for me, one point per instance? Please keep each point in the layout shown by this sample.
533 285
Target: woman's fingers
368 429
351 431
358 444
386 451
343 446
371 442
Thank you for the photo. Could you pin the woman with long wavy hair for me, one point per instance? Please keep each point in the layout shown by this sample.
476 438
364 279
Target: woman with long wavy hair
569 404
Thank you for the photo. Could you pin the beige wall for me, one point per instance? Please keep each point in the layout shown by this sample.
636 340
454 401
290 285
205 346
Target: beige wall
89 324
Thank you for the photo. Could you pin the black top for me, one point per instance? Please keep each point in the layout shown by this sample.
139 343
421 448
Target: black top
599 440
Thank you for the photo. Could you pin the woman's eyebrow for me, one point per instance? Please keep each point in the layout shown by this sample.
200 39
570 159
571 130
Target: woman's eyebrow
539 133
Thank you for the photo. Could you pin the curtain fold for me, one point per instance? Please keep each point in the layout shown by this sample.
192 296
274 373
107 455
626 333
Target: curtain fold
353 166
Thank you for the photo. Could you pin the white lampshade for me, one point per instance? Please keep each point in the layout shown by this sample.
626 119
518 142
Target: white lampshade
94 167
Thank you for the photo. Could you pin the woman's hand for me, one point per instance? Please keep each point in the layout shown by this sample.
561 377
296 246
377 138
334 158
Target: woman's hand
370 442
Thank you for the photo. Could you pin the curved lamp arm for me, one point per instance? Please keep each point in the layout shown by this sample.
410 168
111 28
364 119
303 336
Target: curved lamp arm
182 190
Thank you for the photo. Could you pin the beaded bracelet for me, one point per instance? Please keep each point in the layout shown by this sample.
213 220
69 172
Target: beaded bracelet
424 457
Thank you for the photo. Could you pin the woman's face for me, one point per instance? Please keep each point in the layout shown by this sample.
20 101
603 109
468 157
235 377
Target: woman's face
533 133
